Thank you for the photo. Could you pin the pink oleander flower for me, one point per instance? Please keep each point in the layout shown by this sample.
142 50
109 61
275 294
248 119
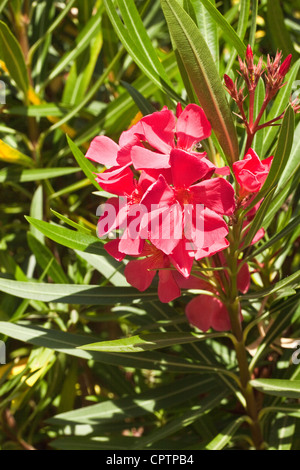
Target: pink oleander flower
251 172
189 198
206 311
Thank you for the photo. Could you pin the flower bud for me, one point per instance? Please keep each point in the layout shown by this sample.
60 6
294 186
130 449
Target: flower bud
285 66
249 53
228 82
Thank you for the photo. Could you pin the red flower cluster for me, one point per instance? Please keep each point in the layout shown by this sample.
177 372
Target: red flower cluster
169 205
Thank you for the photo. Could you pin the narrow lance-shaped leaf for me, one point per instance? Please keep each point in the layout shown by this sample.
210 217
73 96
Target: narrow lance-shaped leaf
86 166
26 176
203 75
279 33
222 439
69 238
11 155
281 156
138 55
280 103
11 54
147 342
257 222
291 281
227 29
206 24
79 294
278 387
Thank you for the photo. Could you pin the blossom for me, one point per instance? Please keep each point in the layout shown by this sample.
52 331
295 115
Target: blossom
186 201
251 172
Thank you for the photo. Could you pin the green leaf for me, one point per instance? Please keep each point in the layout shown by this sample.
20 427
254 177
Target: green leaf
68 343
86 166
186 419
257 222
206 24
293 224
258 140
280 104
26 176
140 56
52 27
147 342
36 209
94 443
83 41
38 110
71 223
282 431
280 35
283 320
227 29
11 54
290 281
241 29
163 397
107 266
69 238
3 5
43 256
281 156
224 437
73 293
139 36
203 75
277 387
142 103
82 70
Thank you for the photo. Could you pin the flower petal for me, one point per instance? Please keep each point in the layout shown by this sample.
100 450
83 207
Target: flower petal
103 150
209 229
112 248
159 194
192 127
188 168
140 273
117 181
182 258
216 194
206 312
158 130
168 289
144 159
243 279
164 226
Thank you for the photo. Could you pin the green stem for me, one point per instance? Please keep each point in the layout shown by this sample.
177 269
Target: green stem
234 309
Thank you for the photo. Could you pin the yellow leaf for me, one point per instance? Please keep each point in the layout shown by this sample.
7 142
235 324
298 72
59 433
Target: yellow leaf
11 155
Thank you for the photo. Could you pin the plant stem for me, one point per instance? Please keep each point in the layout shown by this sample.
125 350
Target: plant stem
234 309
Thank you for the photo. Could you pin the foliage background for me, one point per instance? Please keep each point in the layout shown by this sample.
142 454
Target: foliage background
67 73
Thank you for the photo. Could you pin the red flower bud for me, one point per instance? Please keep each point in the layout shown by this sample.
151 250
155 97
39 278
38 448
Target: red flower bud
285 66
249 52
228 82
